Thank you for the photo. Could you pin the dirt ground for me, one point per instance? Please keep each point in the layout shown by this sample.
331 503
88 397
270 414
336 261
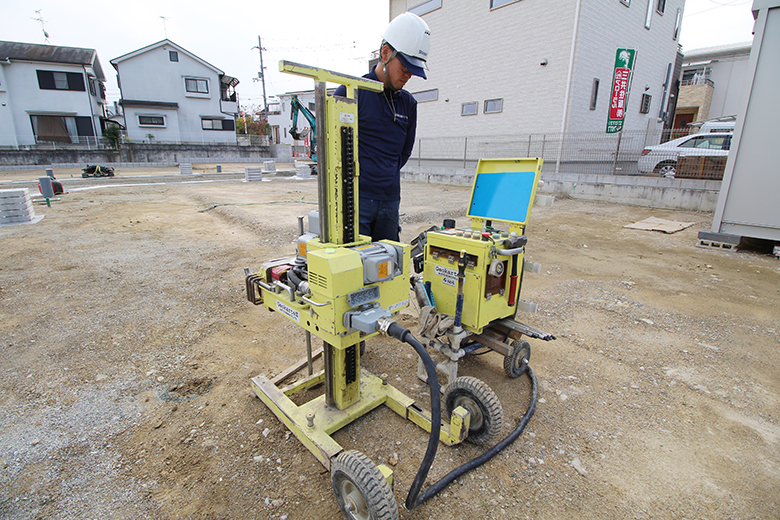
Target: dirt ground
127 346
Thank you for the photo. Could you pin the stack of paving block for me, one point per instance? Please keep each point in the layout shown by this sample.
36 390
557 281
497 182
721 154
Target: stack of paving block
253 173
15 206
185 168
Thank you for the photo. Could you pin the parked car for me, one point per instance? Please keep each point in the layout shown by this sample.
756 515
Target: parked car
662 158
717 126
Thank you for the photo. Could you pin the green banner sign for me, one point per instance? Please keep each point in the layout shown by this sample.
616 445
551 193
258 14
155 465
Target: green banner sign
621 83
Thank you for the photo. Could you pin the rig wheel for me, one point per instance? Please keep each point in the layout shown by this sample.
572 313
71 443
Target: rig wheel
361 490
487 414
516 363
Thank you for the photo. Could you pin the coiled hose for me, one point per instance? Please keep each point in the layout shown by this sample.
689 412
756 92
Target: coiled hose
415 498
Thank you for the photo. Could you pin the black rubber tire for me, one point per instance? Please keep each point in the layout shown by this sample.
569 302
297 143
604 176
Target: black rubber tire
361 491
487 414
514 366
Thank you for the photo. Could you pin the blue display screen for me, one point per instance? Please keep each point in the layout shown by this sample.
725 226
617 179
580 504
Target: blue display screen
502 196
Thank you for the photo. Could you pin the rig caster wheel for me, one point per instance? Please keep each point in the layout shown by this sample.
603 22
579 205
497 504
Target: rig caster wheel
516 363
487 414
361 490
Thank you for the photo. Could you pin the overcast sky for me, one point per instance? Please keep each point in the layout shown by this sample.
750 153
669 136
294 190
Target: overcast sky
336 35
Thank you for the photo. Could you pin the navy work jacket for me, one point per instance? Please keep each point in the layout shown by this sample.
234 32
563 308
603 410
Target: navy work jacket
387 123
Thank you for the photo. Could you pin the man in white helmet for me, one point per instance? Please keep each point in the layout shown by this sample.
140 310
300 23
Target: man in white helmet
387 122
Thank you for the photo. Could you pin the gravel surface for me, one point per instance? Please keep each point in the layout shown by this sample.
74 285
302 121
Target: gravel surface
127 345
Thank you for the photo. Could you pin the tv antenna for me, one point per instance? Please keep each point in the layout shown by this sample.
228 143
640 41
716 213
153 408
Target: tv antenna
165 27
43 27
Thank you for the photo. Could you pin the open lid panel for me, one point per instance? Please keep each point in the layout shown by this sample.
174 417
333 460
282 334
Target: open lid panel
504 189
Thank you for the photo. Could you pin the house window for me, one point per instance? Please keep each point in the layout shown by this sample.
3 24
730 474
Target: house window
499 3
468 109
217 124
151 120
62 129
645 106
199 86
677 23
51 80
594 93
426 7
660 6
426 95
173 55
493 106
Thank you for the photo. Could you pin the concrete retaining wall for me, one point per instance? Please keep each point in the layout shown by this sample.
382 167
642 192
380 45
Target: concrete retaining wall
657 192
144 153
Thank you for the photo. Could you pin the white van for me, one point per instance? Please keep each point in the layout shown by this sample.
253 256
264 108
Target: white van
717 126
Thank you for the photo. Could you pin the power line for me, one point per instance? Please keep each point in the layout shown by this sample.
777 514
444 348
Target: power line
718 5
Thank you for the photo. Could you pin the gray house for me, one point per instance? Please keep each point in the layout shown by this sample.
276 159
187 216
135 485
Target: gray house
50 94
712 83
171 95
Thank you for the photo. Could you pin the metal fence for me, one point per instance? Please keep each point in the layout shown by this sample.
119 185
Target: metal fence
576 152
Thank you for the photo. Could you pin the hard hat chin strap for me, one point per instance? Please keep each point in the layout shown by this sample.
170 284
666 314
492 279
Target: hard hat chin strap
388 84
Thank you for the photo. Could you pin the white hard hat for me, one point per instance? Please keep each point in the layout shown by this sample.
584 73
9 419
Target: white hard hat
410 36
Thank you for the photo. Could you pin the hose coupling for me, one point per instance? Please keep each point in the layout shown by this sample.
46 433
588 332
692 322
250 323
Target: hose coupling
383 323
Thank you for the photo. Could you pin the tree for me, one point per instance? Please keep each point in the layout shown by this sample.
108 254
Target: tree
252 119
113 135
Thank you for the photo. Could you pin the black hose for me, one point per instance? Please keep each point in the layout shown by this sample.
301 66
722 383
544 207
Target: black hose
415 498
492 452
403 334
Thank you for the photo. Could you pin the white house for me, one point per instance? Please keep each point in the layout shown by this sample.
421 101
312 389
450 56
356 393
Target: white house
171 95
50 94
712 83
514 67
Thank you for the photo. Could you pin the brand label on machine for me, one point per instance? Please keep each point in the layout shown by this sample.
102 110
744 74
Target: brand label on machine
400 305
449 276
288 311
346 117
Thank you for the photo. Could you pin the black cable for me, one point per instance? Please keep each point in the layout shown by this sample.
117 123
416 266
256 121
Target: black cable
403 334
415 498
492 452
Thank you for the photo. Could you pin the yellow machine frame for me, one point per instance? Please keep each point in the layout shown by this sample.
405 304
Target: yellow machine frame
336 272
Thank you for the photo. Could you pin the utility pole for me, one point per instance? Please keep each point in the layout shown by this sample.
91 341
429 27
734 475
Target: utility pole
261 74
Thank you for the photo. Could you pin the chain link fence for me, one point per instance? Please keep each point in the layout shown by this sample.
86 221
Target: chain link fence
577 152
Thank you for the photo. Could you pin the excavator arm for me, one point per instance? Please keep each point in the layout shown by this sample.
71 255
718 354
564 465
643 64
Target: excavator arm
296 106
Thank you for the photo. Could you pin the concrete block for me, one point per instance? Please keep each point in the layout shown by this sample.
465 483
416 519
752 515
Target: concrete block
544 200
185 168
253 173
269 166
14 193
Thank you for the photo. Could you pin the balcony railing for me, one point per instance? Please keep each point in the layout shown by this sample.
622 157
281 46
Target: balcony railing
697 81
